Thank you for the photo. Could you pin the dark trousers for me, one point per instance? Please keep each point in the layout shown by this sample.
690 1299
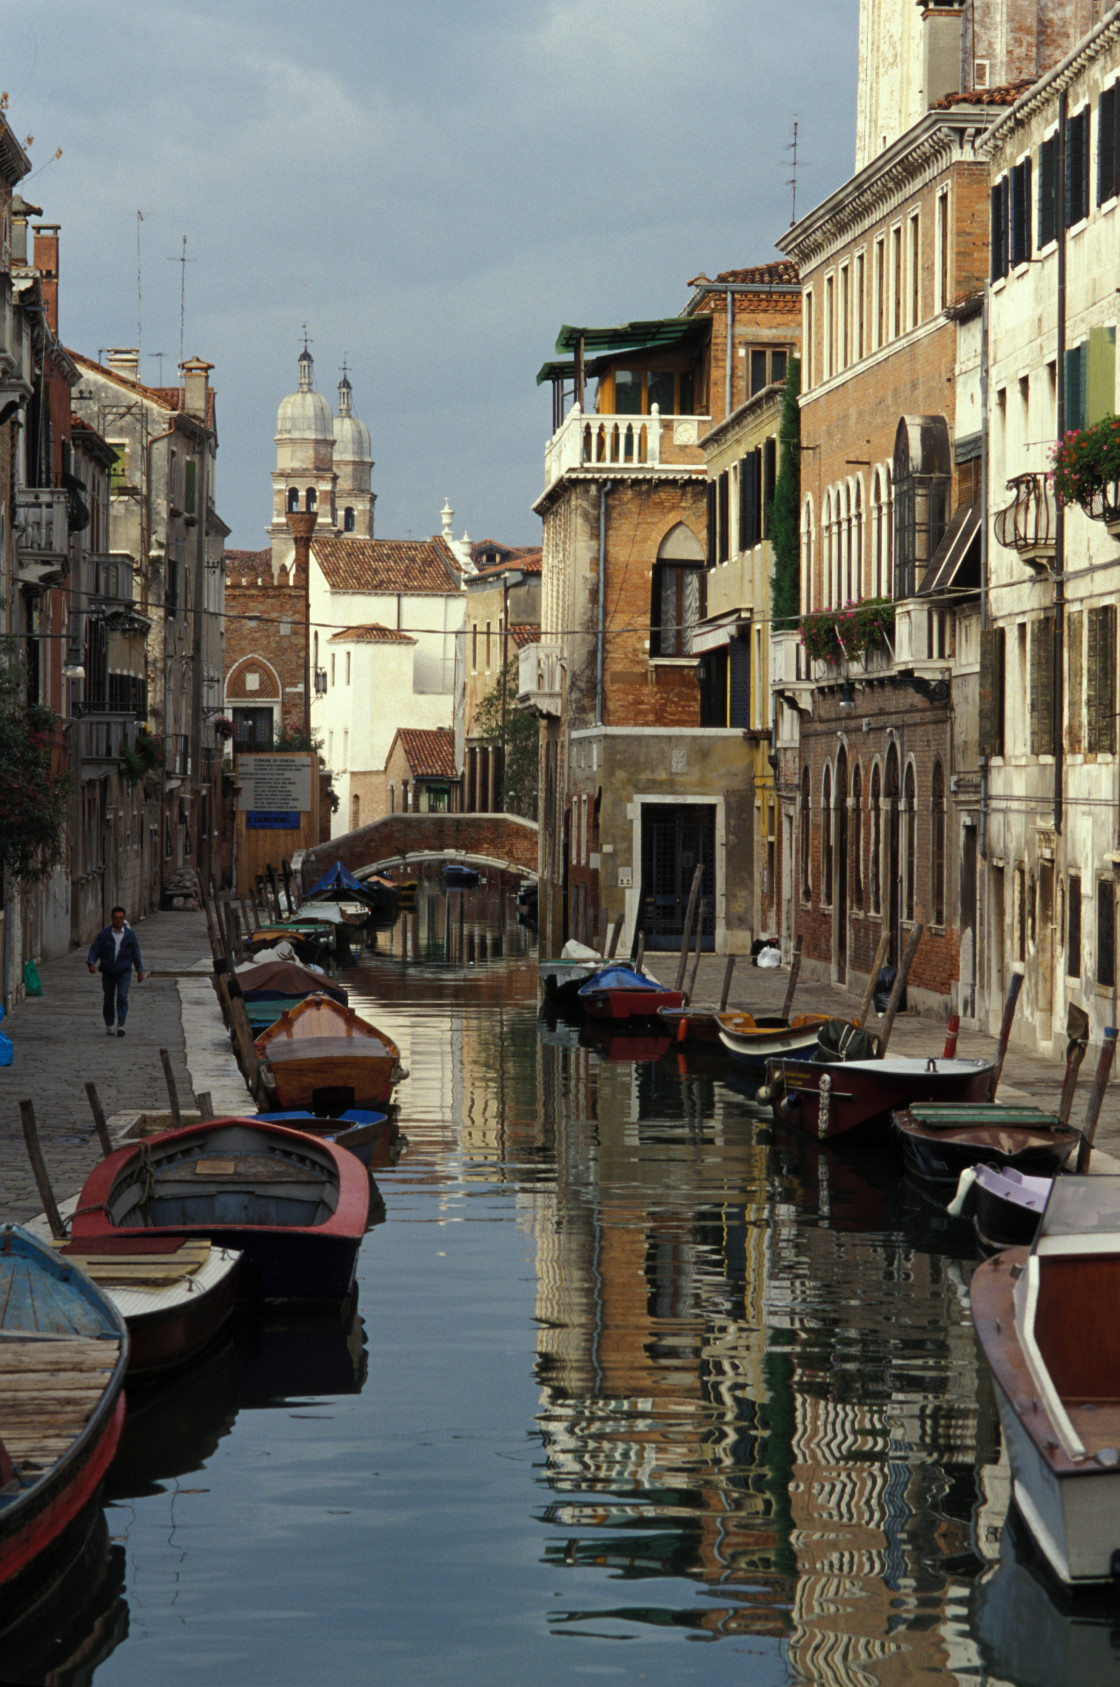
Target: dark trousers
114 986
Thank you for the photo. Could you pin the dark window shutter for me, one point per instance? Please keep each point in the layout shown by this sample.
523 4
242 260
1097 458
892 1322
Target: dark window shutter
769 479
1035 699
1075 394
711 523
987 691
1047 209
1100 685
999 229
1108 144
1075 682
1077 167
1044 637
749 536
724 517
1028 202
756 458
744 482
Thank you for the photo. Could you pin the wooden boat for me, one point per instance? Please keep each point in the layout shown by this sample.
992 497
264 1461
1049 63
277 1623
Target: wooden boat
173 1292
308 942
63 1353
939 1140
1045 1319
458 874
619 992
295 1207
831 1098
376 895
325 1058
691 1025
755 1039
363 1132
272 986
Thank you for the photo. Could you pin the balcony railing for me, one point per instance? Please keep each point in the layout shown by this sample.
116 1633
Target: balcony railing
538 679
41 518
1027 524
112 573
103 736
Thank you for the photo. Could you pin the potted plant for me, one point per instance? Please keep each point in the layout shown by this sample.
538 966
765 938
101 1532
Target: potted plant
848 632
223 729
1087 470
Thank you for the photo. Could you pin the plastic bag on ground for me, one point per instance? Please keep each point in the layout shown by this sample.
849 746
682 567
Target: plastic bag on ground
771 957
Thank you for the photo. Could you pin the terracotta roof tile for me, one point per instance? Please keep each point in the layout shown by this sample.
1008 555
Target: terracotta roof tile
171 398
529 562
783 273
371 633
430 753
523 635
388 565
1005 95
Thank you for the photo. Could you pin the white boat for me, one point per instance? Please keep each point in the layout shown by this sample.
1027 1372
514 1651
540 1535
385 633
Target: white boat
1045 1318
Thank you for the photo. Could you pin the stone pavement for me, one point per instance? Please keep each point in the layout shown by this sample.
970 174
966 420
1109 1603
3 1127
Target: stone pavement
60 1044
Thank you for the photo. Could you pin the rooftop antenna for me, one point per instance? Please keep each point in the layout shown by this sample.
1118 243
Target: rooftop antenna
161 355
792 182
139 295
183 260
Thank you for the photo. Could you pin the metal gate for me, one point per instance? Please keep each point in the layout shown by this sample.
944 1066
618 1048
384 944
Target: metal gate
674 841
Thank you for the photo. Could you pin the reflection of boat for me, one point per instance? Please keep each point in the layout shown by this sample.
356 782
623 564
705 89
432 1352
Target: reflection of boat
63 1352
326 1058
301 1355
634 1043
830 1098
754 1039
457 873
938 1141
174 1424
69 1627
295 1207
1045 1318
173 1292
1034 1633
621 992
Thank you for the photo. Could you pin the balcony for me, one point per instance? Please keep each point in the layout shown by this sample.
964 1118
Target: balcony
103 736
538 680
112 574
42 526
1027 524
623 442
177 755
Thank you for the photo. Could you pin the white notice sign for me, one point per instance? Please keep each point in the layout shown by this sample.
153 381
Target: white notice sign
274 784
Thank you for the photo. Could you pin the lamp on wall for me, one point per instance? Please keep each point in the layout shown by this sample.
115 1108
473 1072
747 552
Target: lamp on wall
847 700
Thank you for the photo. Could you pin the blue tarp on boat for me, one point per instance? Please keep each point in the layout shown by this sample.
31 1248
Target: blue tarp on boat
618 978
336 879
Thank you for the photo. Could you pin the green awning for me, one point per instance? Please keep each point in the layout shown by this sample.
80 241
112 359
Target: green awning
630 336
556 372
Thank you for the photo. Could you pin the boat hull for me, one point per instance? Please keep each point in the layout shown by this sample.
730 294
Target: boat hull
325 1059
831 1099
292 1252
628 1004
939 1155
753 1042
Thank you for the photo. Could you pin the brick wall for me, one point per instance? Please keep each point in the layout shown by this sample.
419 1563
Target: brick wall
499 837
257 612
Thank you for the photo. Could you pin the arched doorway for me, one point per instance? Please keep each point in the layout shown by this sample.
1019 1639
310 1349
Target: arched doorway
841 801
894 865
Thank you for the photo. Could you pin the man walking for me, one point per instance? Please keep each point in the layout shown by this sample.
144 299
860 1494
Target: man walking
115 951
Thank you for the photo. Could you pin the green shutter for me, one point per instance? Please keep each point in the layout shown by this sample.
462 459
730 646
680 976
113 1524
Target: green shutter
1100 377
1042 687
1075 700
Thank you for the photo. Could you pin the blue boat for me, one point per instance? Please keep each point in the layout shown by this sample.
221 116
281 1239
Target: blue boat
364 1132
63 1345
458 874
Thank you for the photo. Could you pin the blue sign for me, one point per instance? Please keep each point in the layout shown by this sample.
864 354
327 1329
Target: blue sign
260 820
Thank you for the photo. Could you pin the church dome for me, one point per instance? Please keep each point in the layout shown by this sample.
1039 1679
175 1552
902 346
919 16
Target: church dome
351 437
304 414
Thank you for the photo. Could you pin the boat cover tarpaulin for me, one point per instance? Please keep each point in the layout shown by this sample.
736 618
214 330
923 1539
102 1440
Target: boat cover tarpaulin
274 979
619 978
335 880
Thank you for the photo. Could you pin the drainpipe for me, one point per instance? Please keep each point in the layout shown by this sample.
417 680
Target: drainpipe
604 488
1059 516
727 361
982 842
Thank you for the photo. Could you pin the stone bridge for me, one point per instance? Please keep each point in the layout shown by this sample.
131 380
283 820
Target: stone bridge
502 842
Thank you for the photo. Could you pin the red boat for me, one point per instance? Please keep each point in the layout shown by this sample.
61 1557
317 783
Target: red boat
63 1352
296 1207
619 992
830 1098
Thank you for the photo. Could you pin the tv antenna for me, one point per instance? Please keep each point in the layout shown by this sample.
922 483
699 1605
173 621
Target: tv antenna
161 355
139 295
183 261
792 182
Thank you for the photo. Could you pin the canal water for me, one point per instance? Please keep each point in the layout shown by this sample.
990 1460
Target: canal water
631 1391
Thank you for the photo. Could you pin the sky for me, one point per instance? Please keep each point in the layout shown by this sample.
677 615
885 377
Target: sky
432 186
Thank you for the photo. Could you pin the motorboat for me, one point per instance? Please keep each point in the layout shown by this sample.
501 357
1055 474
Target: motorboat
619 992
938 1140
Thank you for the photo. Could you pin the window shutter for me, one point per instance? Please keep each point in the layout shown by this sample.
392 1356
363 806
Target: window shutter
749 536
1076 362
999 229
724 517
1077 167
1108 119
1042 687
987 691
711 523
1100 375
1075 701
1028 202
744 480
1108 678
1047 219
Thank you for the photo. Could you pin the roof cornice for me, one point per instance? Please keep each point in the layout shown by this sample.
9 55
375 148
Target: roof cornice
1044 90
937 140
14 162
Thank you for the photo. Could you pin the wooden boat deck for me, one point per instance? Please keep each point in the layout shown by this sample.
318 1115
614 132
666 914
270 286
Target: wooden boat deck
50 1388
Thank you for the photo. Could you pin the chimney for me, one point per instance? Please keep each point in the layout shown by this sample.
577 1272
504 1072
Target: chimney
942 26
21 210
45 260
196 387
123 360
447 516
301 525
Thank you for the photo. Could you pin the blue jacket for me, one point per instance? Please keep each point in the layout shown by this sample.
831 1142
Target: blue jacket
101 953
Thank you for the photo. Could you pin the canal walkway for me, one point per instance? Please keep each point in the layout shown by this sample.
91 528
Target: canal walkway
60 1044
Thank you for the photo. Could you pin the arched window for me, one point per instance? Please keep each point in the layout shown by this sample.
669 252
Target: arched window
293 498
937 853
806 877
826 551
826 837
910 795
348 520
857 540
311 499
847 593
874 864
876 535
807 556
675 592
857 836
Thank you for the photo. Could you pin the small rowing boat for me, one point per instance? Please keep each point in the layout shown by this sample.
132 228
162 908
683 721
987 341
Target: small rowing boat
295 1207
754 1039
326 1058
830 1098
620 992
363 1132
63 1353
456 874
938 1140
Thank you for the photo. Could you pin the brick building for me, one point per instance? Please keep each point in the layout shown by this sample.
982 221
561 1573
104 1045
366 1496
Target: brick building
502 616
642 777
